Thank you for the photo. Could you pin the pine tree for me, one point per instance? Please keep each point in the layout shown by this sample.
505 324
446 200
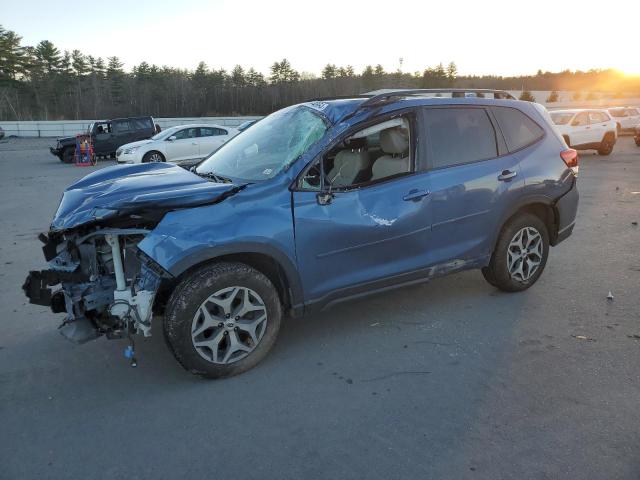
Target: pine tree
238 77
115 78
79 63
255 79
329 71
49 57
553 97
527 96
13 58
452 73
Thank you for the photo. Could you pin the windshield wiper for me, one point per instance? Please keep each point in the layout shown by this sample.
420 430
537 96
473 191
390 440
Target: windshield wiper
215 177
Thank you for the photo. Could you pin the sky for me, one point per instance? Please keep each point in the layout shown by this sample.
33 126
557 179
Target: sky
482 37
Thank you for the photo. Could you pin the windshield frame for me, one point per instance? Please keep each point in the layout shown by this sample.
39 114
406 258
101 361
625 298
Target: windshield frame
286 166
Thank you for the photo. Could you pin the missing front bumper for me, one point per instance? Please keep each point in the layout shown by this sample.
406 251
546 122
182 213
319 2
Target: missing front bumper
37 283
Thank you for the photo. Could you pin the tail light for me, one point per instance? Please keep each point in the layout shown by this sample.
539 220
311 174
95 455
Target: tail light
570 157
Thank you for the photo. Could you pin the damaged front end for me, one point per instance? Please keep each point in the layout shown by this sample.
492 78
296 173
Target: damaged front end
106 285
97 274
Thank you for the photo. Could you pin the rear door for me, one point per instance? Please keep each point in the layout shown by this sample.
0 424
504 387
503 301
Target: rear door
182 145
473 179
599 126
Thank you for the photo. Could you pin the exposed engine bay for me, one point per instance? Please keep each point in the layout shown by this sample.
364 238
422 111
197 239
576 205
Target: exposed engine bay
106 285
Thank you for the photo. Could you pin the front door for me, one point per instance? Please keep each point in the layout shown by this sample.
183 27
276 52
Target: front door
581 130
373 227
182 145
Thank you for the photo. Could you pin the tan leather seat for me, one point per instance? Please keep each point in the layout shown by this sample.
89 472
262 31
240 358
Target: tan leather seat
346 167
394 142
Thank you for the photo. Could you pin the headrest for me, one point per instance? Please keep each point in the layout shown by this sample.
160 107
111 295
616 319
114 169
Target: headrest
355 143
394 140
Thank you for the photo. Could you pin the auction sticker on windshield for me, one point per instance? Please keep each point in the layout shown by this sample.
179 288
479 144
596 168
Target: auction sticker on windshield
321 106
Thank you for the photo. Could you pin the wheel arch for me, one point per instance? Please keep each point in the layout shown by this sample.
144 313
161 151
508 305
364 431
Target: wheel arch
153 150
275 265
541 206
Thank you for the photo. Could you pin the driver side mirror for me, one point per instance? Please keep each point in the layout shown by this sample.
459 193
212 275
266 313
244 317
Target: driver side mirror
172 138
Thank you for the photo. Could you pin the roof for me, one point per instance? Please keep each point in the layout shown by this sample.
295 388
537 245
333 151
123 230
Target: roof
389 99
341 109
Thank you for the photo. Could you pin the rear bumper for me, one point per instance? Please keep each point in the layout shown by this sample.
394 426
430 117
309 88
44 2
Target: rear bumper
566 208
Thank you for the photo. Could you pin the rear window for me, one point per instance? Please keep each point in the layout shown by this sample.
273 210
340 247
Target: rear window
141 123
633 112
211 131
121 126
460 135
518 129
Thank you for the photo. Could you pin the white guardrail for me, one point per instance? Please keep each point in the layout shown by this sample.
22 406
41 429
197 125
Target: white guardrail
65 128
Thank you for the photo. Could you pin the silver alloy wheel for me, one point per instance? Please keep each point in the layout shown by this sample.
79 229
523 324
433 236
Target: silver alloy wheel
229 325
524 254
155 157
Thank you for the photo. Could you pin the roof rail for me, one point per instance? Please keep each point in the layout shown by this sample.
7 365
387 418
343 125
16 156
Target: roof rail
382 97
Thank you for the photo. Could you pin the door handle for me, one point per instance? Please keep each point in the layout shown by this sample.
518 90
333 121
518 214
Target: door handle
506 175
415 195
194 143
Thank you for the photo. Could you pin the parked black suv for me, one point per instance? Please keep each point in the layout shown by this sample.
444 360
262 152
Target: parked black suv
107 136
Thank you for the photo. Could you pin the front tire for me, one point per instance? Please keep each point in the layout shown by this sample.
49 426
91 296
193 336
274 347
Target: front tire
222 319
606 146
153 157
520 254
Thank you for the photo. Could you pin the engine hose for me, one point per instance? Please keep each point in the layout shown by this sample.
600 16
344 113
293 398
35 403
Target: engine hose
130 308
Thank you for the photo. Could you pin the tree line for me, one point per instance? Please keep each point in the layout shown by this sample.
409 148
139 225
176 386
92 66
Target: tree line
43 83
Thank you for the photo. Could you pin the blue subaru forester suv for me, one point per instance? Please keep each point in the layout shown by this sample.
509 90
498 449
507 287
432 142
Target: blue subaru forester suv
317 203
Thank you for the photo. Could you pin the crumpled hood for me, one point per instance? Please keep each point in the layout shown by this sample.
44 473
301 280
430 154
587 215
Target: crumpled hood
130 188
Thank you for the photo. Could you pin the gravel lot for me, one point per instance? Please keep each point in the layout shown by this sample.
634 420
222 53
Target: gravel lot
452 379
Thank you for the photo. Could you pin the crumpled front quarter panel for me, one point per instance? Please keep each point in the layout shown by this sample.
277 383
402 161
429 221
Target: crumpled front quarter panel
257 219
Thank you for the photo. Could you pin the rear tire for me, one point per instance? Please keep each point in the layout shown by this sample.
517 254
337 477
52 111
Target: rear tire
68 154
153 157
222 319
520 254
606 146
